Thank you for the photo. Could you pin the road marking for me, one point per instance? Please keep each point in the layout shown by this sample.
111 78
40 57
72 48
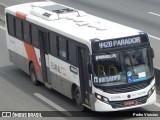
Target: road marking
154 13
157 104
3 5
154 37
3 28
51 103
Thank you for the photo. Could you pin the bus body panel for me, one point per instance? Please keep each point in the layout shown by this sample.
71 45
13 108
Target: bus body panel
63 76
17 53
63 69
62 82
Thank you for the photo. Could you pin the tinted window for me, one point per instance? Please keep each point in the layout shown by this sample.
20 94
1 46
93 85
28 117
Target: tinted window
72 52
26 29
10 23
19 33
62 48
35 41
53 44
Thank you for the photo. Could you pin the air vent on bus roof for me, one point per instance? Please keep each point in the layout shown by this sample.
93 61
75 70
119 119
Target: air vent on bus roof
82 23
39 12
96 25
50 11
40 4
58 8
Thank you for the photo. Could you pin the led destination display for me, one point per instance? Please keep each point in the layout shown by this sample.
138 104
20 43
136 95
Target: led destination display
98 44
120 42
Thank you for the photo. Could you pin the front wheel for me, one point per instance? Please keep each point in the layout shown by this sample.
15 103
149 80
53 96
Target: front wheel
78 100
33 75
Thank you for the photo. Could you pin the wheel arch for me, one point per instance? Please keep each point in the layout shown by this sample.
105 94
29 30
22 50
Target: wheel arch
73 88
29 65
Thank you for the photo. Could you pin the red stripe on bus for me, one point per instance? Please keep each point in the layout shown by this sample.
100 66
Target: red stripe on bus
32 57
21 15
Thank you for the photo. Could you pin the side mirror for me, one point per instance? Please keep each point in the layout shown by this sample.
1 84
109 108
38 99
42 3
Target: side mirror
90 68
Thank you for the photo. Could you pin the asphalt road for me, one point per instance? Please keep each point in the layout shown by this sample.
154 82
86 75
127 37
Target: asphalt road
17 93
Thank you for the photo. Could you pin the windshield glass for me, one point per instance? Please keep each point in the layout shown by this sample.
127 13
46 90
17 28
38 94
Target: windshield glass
137 65
121 68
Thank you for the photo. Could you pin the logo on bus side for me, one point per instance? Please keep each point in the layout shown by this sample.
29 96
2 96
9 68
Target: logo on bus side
58 69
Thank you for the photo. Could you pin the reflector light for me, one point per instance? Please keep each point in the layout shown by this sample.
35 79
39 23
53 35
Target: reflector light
21 15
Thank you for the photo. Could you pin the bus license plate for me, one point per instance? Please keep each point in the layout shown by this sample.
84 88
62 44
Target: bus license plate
129 103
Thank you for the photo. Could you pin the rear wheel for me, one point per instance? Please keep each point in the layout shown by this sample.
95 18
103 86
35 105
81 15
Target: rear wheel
33 75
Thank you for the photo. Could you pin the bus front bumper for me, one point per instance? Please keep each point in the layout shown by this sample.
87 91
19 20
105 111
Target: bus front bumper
111 106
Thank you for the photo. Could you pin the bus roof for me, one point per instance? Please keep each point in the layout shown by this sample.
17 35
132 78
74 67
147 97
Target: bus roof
71 22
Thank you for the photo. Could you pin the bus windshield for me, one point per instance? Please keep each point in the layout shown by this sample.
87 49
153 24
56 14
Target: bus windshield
121 68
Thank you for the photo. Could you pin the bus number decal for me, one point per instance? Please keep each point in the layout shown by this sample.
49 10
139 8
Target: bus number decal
107 44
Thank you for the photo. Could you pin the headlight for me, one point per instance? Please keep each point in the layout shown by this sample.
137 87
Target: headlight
102 98
99 97
153 87
151 91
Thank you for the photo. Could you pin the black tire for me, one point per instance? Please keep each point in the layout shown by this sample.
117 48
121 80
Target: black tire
33 75
78 100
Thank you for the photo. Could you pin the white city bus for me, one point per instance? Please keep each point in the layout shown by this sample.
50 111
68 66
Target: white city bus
103 65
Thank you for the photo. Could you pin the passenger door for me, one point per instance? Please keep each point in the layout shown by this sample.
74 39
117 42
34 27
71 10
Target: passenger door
44 50
83 73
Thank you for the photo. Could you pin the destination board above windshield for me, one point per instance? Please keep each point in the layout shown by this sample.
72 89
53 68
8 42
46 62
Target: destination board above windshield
119 42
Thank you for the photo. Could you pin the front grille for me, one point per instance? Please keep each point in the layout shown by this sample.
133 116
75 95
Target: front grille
127 88
120 104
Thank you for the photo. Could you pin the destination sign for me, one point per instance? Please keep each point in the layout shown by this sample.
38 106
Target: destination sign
110 79
119 42
102 57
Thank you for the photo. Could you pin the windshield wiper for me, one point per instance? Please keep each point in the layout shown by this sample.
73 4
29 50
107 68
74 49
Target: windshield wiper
131 64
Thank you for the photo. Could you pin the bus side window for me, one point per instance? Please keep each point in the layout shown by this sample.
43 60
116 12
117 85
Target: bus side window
19 31
35 36
26 30
72 52
62 48
53 44
11 24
